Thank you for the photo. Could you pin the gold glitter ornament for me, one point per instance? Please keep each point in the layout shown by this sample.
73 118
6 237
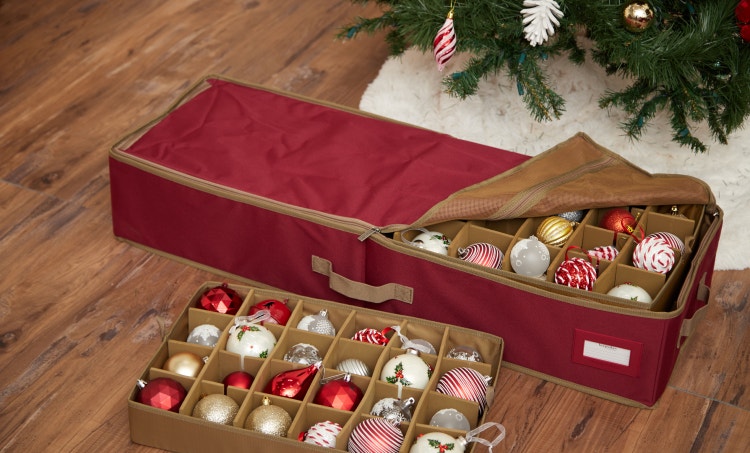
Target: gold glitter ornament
555 230
216 408
184 363
637 16
269 419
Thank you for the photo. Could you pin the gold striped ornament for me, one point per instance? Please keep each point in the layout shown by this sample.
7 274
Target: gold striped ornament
555 230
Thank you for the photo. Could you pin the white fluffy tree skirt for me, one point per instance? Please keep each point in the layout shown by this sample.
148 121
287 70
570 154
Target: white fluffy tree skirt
409 89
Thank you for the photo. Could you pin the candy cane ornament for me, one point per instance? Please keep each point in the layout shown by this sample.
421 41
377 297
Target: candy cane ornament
444 44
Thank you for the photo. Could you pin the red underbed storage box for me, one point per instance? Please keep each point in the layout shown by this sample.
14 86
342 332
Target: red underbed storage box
323 201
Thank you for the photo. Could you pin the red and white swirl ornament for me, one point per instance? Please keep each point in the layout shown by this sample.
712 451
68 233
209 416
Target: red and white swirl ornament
483 254
671 239
375 435
576 273
465 383
322 434
654 254
444 44
603 252
372 336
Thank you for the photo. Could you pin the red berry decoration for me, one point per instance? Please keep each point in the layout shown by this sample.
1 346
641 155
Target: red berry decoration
375 435
742 12
576 273
293 383
239 379
161 393
280 312
339 394
221 299
618 220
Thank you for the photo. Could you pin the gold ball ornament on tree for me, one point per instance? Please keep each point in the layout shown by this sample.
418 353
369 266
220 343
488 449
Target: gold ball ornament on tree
269 419
555 230
637 16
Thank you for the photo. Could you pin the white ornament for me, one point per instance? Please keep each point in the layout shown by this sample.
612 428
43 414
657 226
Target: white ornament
438 442
323 434
630 292
318 323
249 339
671 239
529 257
654 254
434 241
541 18
408 370
354 366
450 418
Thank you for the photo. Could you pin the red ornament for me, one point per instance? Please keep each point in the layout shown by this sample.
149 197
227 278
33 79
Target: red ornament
373 336
465 383
482 253
339 394
239 379
221 299
444 44
293 383
375 435
576 273
161 393
745 33
280 313
742 12
618 220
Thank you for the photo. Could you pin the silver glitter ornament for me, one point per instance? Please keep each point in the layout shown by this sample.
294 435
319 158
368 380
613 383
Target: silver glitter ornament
303 353
318 323
205 335
354 366
465 353
394 410
573 216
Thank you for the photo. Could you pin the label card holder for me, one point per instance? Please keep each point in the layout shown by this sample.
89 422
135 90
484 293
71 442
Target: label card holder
607 353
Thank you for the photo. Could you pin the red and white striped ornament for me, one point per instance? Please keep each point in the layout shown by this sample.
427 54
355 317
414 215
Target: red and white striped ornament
373 336
654 254
483 254
322 434
576 273
671 239
444 44
603 252
375 435
465 383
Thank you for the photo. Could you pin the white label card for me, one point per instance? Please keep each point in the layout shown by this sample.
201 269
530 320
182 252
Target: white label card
608 353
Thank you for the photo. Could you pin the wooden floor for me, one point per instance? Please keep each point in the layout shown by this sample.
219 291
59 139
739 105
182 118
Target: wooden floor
81 313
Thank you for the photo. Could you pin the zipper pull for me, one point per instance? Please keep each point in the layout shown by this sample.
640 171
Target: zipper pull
362 237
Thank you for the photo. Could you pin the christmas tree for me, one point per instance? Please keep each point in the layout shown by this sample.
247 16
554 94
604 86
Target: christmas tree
688 57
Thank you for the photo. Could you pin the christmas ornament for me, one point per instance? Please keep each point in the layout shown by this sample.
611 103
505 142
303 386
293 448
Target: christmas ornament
618 220
317 323
372 336
161 393
216 408
555 231
450 418
637 16
444 44
322 434
279 311
464 353
303 353
375 435
354 366
482 253
205 335
654 254
269 419
465 383
394 410
603 252
576 273
421 345
221 299
573 216
631 292
540 18
339 392
184 363
742 12
249 339
292 383
671 240
438 442
241 379
529 257
408 369
434 241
